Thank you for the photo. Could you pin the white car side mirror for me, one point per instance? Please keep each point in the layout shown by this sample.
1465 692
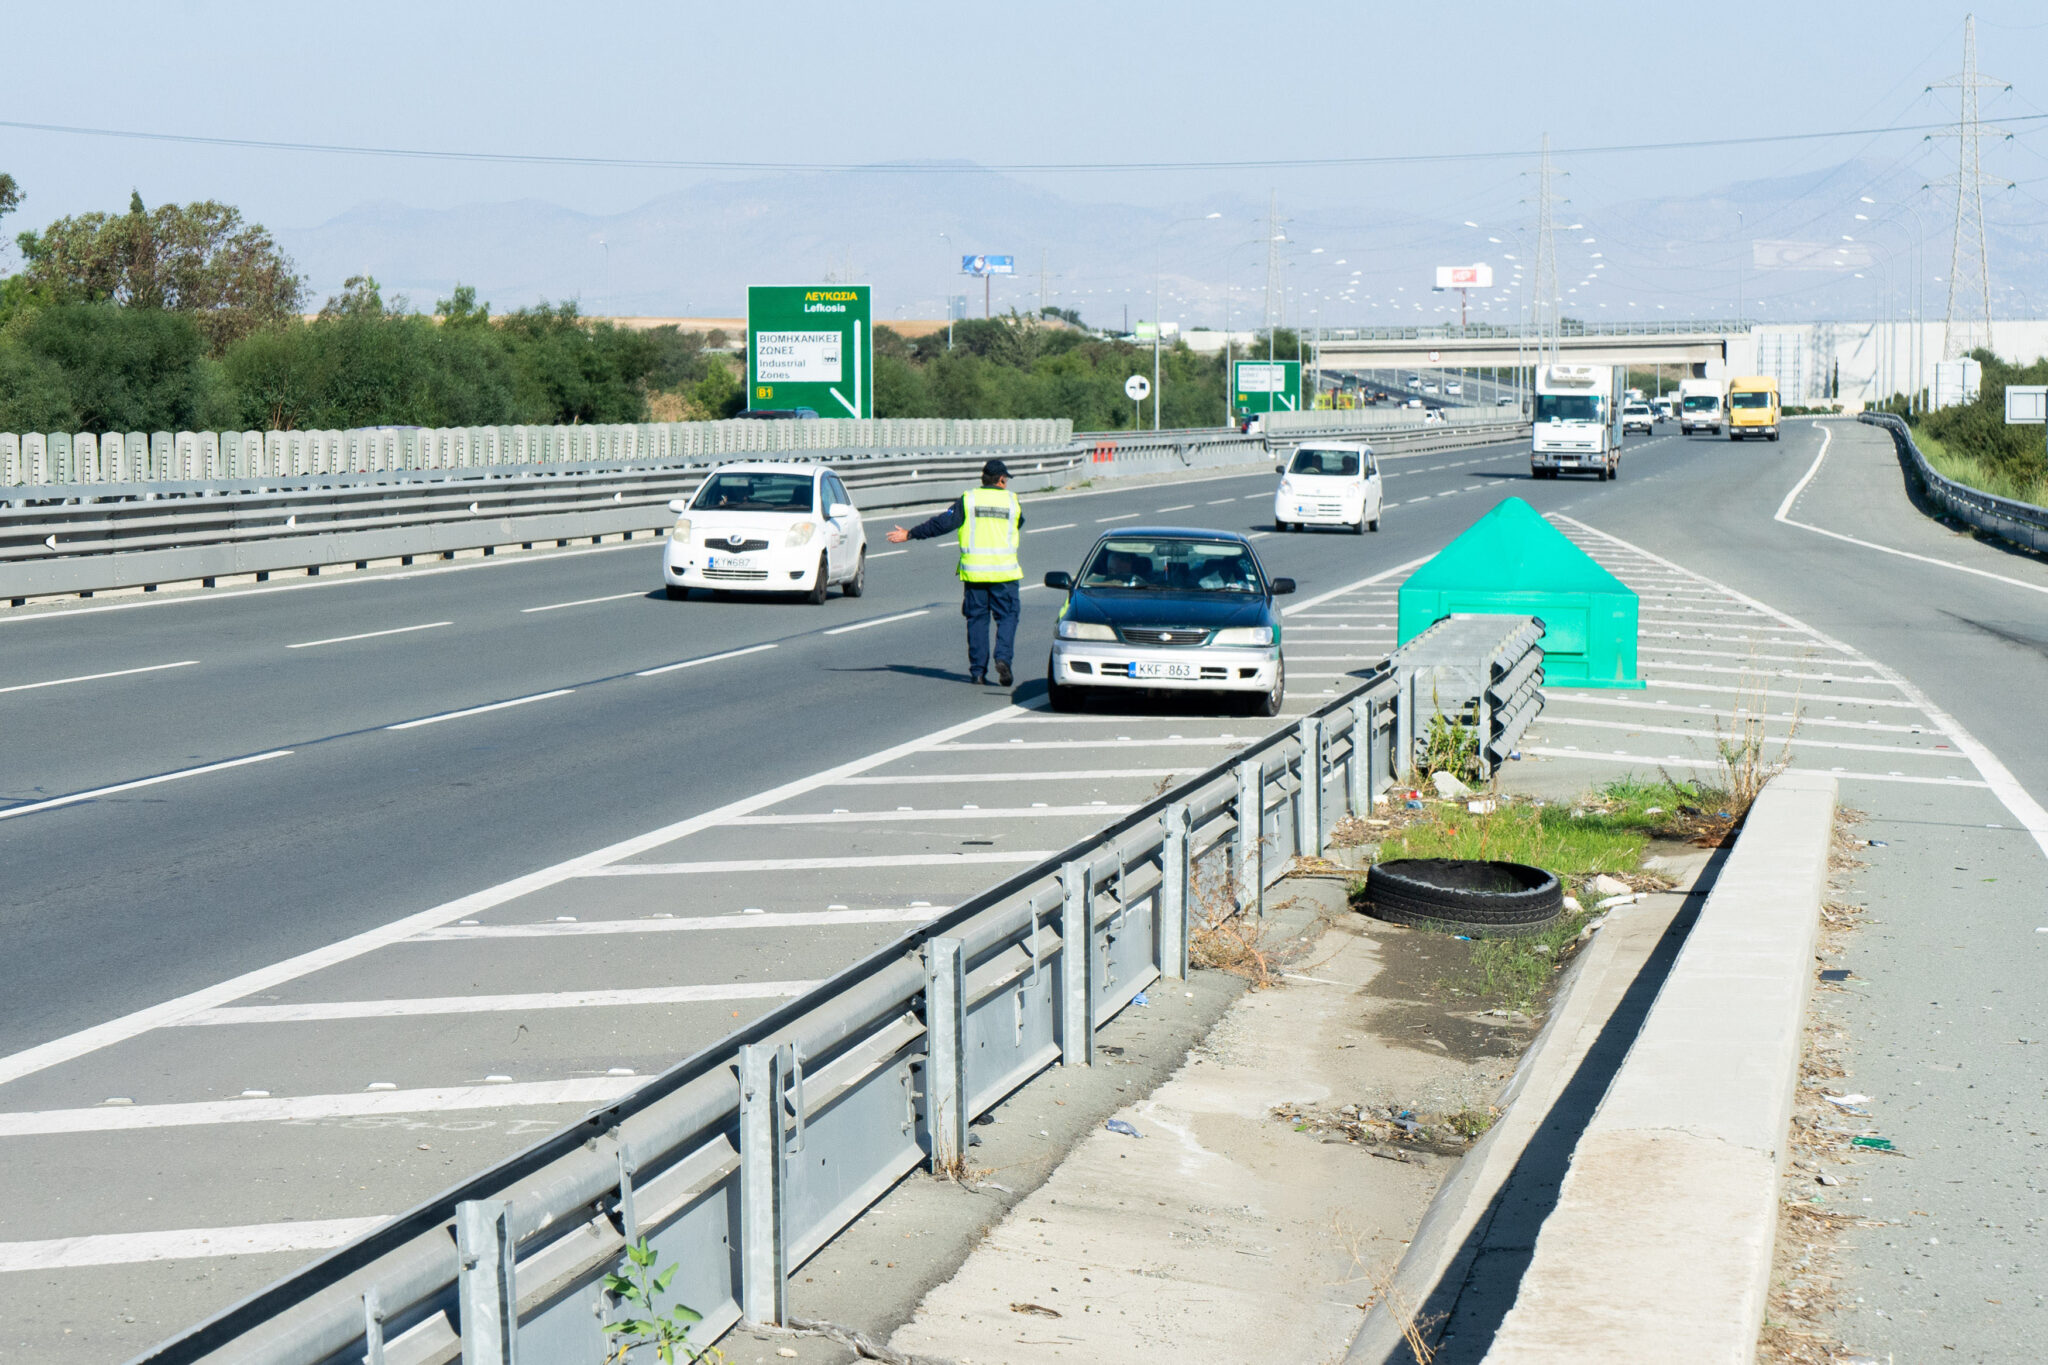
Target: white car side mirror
840 510
679 505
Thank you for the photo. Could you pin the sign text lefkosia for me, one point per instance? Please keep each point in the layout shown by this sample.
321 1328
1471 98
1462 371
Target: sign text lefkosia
811 346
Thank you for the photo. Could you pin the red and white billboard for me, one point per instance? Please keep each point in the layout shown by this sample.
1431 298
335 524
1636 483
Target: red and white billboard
1464 277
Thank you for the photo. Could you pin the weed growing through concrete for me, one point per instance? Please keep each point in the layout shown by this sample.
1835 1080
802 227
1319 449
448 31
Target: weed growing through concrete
1745 766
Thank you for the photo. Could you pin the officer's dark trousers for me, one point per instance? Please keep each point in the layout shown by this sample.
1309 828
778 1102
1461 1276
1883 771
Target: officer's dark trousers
979 602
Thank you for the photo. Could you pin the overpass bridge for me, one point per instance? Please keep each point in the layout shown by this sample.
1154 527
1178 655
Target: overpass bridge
1478 346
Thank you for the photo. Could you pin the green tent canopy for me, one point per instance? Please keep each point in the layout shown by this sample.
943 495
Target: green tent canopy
1513 562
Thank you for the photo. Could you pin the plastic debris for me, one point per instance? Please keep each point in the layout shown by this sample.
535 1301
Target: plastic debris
1610 886
1141 999
1448 786
1036 1310
1845 1100
1615 902
1826 1179
1875 1144
1462 938
1514 755
1485 805
1412 804
1835 974
1119 1126
1654 810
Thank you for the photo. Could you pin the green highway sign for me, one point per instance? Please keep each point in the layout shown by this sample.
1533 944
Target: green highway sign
811 346
1267 385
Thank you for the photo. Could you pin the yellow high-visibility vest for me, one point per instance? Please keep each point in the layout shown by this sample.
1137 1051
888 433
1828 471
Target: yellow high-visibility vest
989 535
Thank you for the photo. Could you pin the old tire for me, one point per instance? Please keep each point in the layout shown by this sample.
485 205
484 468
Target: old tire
1503 900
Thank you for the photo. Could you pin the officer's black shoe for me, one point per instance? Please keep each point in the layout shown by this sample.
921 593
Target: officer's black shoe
1002 673
978 679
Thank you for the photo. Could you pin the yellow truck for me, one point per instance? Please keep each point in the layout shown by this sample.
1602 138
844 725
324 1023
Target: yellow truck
1753 407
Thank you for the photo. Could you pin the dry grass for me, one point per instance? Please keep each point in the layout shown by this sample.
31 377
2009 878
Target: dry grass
1745 766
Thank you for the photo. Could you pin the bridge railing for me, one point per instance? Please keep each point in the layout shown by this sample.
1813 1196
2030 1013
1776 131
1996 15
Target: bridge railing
1485 331
2022 523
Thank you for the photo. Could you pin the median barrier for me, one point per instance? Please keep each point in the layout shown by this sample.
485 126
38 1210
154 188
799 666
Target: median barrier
744 1159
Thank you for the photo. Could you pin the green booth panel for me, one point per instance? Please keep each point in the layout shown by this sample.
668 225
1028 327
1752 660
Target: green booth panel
1512 562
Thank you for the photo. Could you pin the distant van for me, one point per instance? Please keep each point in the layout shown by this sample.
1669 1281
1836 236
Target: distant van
1753 408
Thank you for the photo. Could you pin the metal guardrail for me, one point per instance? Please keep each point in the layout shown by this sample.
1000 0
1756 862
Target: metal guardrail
1485 668
1483 331
2022 523
80 540
740 1162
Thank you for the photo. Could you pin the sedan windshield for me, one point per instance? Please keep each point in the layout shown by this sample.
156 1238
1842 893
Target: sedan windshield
1567 407
1162 565
1755 399
733 491
1343 463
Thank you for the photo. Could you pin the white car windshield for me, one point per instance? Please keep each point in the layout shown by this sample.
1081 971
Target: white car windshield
1162 565
1340 463
738 491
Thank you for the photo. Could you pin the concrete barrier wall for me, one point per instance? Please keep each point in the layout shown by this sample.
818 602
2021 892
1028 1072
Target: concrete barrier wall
1659 1247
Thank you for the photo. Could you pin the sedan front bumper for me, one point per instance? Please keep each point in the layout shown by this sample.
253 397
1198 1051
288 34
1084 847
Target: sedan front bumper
771 570
1228 668
1310 510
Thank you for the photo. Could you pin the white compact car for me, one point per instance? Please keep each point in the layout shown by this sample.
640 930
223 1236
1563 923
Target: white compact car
767 526
1453 386
1638 417
1329 484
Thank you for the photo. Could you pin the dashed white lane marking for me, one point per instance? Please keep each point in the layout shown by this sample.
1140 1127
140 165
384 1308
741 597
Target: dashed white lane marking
2015 797
879 621
1218 502
1180 508
886 554
1028 855
95 677
368 635
75 797
857 817
584 1090
480 710
74 1045
787 919
316 1011
581 602
131 1248
707 659
1826 439
1037 530
1121 516
1714 764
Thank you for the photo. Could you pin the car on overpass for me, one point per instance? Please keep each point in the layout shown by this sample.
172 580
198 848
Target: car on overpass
1172 609
1329 484
767 526
1453 386
1638 417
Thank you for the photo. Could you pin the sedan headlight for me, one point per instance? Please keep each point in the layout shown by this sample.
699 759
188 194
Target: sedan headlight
1085 630
682 529
799 534
1245 635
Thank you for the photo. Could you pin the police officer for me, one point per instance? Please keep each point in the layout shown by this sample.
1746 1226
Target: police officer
989 524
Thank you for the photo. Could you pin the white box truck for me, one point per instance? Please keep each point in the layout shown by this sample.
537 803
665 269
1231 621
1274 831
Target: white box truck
1702 406
1578 421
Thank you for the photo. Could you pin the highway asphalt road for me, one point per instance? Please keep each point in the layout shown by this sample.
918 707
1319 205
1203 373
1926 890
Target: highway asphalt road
119 903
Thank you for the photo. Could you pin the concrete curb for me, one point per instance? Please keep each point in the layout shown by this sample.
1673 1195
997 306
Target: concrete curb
1659 1247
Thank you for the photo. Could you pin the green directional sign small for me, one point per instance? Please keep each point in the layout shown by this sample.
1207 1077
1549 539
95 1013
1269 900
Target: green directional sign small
1267 385
811 346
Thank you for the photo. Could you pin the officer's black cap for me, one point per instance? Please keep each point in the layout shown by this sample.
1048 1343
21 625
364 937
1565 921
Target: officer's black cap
993 470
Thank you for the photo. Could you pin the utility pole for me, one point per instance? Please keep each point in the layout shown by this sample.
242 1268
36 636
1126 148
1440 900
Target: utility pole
1272 257
1969 261
1548 297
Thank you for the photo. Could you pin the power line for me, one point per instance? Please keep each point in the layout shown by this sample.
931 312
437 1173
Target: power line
1969 262
966 168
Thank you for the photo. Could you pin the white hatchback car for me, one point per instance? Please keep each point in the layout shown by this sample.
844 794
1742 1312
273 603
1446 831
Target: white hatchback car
1329 484
765 526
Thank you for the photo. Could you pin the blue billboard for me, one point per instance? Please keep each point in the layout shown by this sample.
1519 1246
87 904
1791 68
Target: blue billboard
988 265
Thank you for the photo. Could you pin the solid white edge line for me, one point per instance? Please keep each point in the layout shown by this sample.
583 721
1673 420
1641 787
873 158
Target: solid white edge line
30 1060
76 797
2011 794
317 1011
182 1244
588 1090
787 919
707 659
581 602
368 635
479 710
880 621
1785 507
95 677
1027 855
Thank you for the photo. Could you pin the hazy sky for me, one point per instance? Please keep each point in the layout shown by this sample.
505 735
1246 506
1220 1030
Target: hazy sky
1021 83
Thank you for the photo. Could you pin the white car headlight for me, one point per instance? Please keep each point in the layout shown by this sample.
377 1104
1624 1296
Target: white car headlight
799 534
1085 630
1286 485
682 529
1245 635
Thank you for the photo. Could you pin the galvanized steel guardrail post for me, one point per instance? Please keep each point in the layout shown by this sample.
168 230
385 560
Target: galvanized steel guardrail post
866 1078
